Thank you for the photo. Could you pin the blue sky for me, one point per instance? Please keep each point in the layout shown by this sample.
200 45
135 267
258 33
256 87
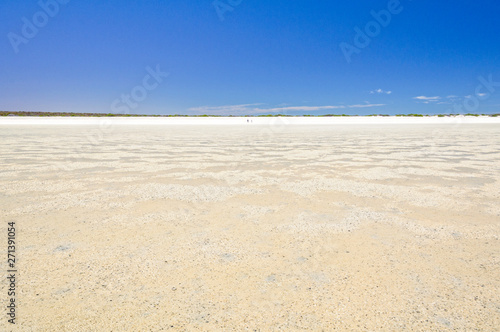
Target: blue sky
250 57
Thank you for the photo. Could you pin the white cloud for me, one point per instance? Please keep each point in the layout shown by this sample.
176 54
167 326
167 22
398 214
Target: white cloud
365 105
228 109
457 98
427 100
301 108
380 91
252 109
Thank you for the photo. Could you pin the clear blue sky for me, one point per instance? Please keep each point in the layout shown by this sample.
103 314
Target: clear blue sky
259 57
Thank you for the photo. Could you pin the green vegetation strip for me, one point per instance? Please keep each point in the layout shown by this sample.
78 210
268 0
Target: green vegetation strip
46 114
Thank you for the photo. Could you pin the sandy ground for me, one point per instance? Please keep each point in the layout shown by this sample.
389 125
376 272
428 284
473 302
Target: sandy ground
262 228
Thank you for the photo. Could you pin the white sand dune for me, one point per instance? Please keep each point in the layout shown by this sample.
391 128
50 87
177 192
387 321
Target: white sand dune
262 226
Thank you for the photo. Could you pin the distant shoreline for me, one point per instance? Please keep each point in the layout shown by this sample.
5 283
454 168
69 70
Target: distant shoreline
246 121
113 115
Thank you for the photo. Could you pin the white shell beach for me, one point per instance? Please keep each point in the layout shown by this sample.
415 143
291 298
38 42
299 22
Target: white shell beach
359 223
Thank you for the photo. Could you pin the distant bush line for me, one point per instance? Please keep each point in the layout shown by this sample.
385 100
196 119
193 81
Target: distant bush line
66 114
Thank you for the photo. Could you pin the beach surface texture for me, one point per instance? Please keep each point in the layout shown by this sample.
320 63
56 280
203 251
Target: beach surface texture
261 225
